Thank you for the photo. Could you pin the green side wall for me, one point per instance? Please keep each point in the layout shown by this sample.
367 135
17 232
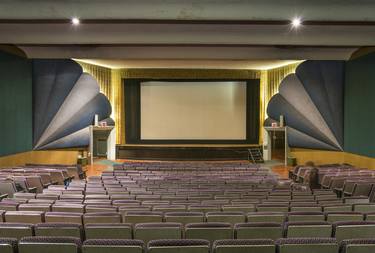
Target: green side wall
15 104
359 126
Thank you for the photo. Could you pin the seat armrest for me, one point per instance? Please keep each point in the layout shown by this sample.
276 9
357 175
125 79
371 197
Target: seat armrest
3 196
32 189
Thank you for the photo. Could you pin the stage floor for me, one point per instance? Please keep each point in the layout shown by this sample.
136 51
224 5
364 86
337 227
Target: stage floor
101 165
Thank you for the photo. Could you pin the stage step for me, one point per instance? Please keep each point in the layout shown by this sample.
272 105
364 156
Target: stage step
255 155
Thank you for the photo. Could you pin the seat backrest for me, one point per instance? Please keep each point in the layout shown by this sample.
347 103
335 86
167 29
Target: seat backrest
8 187
344 216
154 231
230 217
364 208
210 231
43 244
101 217
113 246
184 217
43 207
302 229
179 245
357 200
272 208
307 245
135 217
35 181
258 230
108 231
353 230
238 207
306 216
69 217
8 245
16 230
357 246
337 208
266 217
240 246
71 207
33 217
59 229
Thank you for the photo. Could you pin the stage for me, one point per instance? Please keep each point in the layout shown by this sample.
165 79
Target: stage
183 152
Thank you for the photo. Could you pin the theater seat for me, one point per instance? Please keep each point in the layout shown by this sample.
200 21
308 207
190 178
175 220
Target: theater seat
272 208
8 245
113 246
154 231
230 217
306 216
180 246
35 207
59 229
33 217
337 208
278 217
307 245
16 230
69 217
68 207
238 208
243 246
353 230
101 218
344 216
364 208
9 206
302 229
209 231
143 217
258 230
357 246
169 208
203 208
108 231
43 244
184 217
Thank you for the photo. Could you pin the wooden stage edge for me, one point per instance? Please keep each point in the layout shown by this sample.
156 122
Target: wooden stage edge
184 151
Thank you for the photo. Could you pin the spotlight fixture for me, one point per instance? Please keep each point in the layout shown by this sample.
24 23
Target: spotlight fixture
296 22
75 21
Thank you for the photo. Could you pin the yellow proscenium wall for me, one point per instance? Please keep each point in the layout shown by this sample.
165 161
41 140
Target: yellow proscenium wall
110 81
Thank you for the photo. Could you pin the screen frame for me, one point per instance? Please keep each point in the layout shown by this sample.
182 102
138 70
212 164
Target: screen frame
132 103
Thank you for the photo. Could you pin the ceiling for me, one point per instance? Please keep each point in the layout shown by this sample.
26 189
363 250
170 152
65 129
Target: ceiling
189 33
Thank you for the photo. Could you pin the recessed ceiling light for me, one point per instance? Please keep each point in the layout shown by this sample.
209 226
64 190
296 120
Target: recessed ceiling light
296 22
75 21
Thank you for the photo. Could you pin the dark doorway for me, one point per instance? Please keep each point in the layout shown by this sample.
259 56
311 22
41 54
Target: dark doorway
278 145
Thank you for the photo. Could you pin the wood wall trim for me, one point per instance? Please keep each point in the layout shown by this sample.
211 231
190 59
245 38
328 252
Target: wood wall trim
46 157
324 157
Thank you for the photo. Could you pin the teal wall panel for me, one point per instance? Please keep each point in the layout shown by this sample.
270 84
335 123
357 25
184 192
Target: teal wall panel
359 126
15 104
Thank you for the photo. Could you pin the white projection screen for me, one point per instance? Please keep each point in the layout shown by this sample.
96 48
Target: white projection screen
183 110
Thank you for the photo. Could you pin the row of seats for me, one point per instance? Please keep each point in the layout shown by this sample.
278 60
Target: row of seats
36 177
134 217
209 231
122 206
290 245
343 179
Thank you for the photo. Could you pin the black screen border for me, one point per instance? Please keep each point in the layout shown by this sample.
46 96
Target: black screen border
132 103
